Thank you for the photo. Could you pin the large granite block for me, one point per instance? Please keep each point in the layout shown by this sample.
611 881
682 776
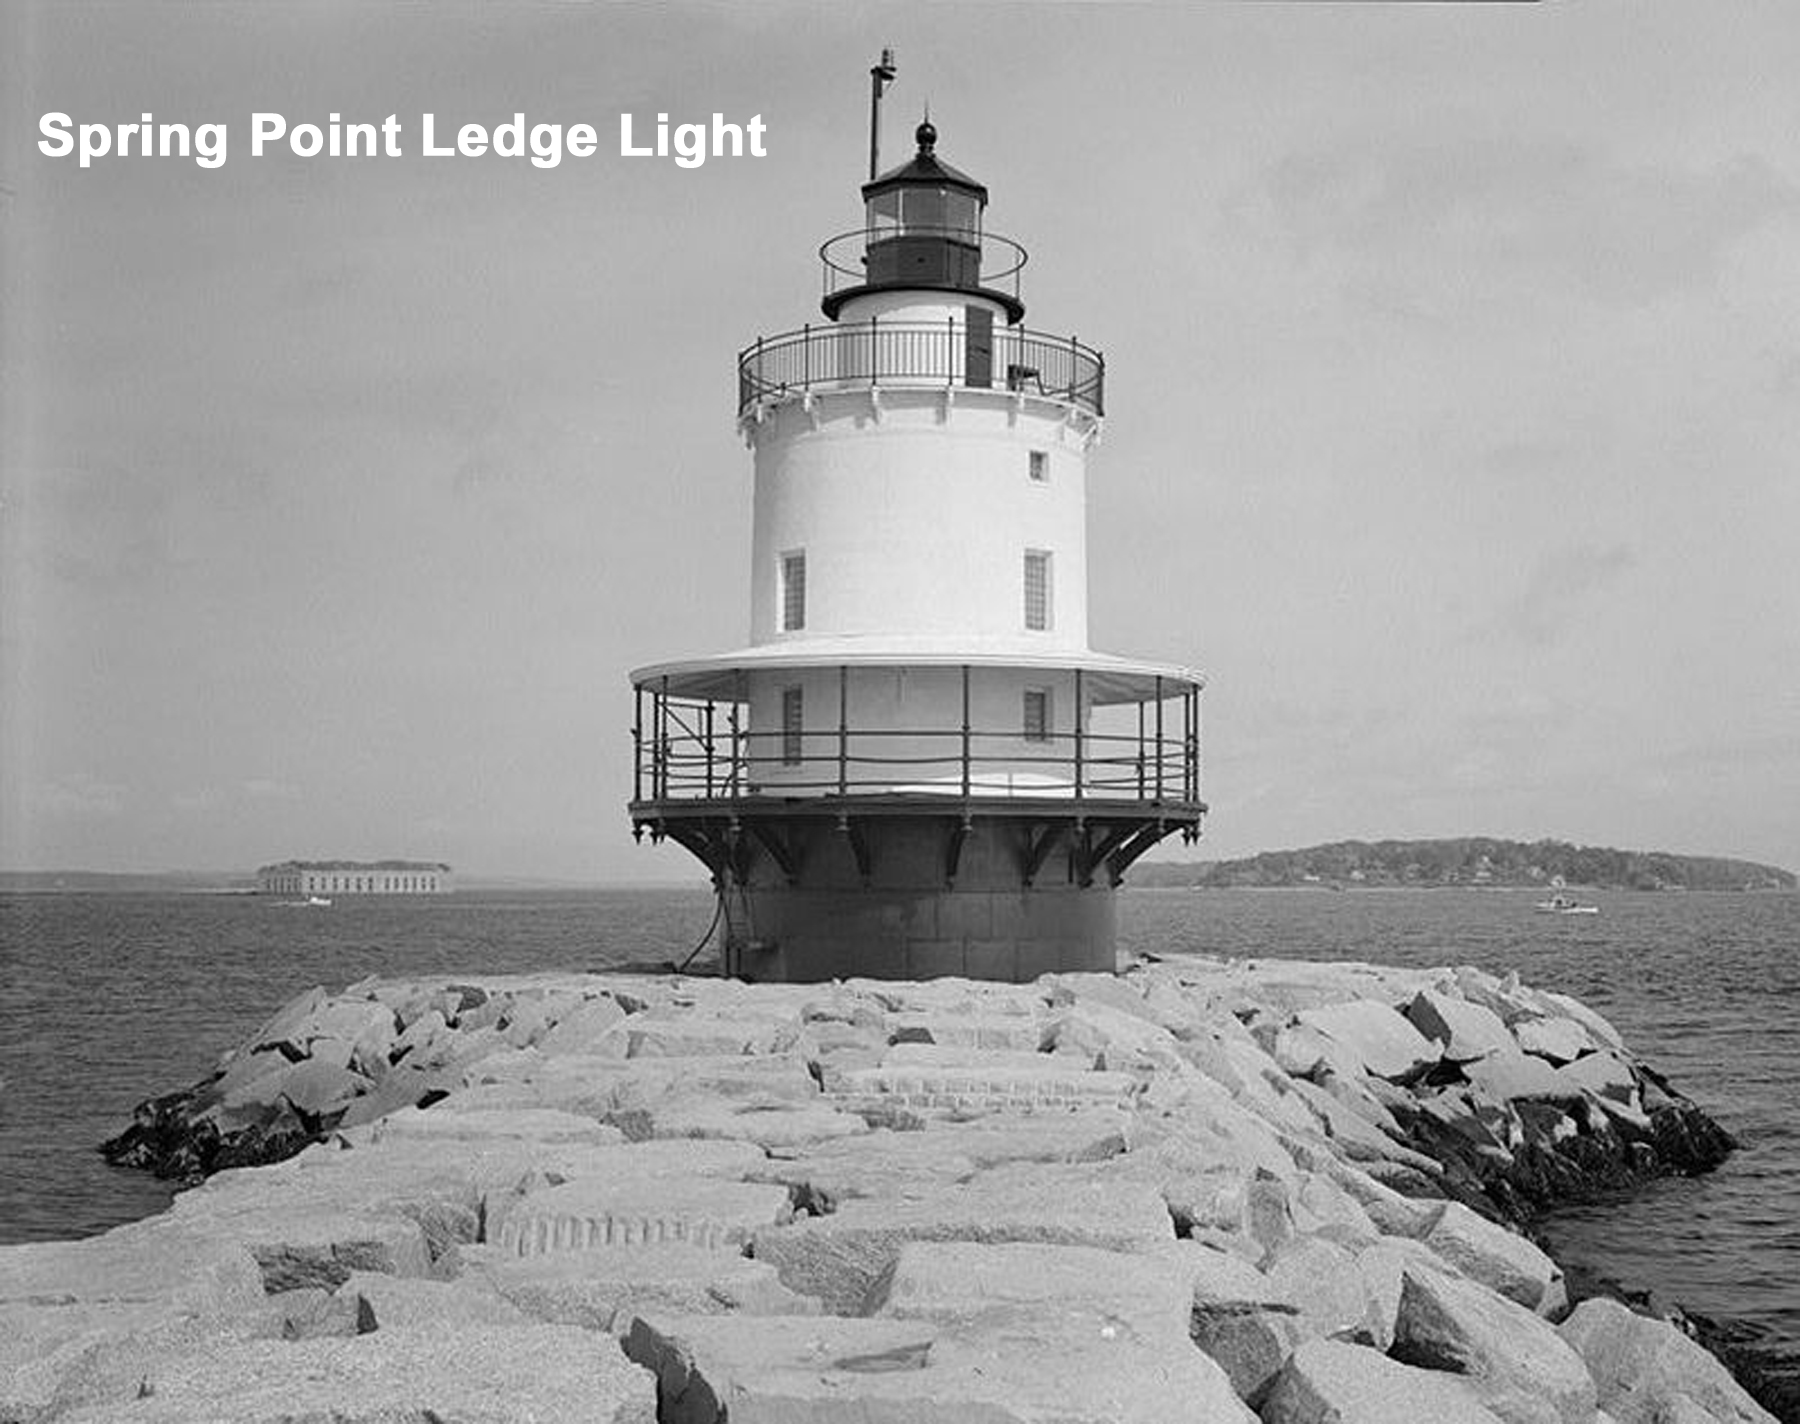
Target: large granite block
515 1375
1516 1363
840 1257
1327 1382
623 1211
1647 1370
604 1288
1013 1365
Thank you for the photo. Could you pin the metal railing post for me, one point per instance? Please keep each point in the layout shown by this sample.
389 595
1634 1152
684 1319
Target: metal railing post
1140 751
843 730
965 730
662 740
1187 744
637 744
1193 752
1159 741
737 751
709 749
1078 734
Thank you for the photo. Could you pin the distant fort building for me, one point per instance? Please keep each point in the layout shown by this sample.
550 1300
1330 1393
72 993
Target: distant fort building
354 877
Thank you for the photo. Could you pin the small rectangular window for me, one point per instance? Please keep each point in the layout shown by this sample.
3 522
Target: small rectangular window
793 722
1037 714
1040 466
1037 589
793 592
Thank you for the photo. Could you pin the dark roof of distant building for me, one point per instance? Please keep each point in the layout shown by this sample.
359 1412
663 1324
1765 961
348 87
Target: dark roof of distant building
354 865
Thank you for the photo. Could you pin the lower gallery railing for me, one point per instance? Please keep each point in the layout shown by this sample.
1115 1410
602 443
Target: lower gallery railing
693 749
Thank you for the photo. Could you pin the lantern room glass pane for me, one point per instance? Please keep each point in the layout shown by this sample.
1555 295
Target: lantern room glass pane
924 208
884 214
927 210
962 215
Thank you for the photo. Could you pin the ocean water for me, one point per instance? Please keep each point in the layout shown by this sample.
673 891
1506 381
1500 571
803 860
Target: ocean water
109 999
1704 987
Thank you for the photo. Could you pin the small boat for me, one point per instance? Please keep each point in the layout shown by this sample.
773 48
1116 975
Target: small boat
306 904
1563 905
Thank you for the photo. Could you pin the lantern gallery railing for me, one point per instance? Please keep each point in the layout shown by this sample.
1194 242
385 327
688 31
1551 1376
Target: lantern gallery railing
695 750
966 260
856 354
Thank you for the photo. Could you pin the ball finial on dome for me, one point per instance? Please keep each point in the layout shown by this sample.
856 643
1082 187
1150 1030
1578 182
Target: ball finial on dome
926 134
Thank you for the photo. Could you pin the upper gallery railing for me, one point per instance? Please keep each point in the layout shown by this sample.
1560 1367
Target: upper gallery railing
877 352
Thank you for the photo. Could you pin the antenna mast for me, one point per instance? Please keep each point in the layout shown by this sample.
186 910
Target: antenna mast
880 76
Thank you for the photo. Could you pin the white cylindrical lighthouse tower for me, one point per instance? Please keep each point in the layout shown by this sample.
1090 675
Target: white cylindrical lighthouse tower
918 766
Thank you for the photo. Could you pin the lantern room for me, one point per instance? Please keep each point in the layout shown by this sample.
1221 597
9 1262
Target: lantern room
924 222
922 231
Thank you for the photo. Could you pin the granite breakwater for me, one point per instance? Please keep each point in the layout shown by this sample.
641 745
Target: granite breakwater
1206 1190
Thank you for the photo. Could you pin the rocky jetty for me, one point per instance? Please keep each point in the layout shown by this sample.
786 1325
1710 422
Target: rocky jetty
1200 1190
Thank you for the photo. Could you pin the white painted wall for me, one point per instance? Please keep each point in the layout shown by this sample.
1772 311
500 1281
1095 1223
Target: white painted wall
915 518
903 305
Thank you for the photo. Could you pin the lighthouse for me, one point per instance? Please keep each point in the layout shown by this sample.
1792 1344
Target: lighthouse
917 766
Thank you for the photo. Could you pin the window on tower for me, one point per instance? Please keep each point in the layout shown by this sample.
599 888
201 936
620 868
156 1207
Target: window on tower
1040 466
793 723
793 591
1037 714
1037 589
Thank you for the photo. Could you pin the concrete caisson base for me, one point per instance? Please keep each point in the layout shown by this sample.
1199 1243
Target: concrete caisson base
906 919
806 936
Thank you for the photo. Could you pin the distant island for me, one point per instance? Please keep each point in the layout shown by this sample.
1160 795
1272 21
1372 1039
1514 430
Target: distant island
1467 861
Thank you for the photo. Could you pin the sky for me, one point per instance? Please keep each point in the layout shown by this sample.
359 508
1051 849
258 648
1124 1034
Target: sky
1453 413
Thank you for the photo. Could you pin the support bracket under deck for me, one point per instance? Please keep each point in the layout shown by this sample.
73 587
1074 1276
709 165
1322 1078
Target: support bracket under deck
1135 845
784 849
1091 854
959 832
1038 845
859 847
